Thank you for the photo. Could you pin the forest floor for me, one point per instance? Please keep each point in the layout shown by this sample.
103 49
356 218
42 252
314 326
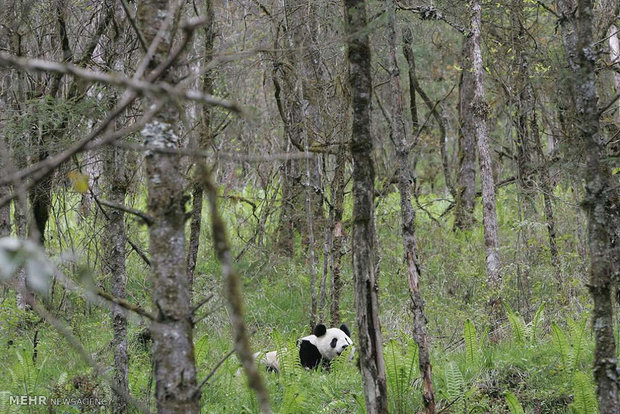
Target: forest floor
541 363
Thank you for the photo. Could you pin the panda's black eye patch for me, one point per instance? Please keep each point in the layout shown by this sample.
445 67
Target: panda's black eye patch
334 342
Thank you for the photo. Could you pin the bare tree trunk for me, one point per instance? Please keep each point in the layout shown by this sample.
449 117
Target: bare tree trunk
400 131
337 232
232 289
173 349
466 179
204 136
372 364
114 243
614 57
480 111
601 198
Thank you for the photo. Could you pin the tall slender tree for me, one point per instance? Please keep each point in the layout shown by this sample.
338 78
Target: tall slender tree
172 331
601 197
480 112
372 363
401 136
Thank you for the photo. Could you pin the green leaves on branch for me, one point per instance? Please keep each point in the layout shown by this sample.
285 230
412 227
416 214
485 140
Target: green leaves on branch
16 253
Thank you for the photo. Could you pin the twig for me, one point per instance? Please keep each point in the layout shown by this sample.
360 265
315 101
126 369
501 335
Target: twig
125 304
139 86
77 346
215 368
606 107
133 24
285 156
202 302
148 220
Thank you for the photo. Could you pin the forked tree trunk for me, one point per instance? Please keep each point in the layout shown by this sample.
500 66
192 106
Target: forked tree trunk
401 136
480 111
172 331
372 364
601 199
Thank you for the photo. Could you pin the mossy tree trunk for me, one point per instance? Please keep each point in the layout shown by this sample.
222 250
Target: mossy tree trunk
366 288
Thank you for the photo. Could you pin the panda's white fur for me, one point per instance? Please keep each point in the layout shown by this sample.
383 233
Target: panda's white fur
269 360
314 350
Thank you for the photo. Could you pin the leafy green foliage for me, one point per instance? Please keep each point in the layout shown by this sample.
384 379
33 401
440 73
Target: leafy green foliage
472 348
571 348
401 368
513 403
585 396
524 332
455 388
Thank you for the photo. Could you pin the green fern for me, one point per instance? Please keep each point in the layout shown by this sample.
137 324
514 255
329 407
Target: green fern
400 370
455 388
472 356
538 318
513 403
562 344
585 397
519 328
577 333
571 348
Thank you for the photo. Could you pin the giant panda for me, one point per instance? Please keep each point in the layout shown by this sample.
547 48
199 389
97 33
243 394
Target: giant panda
323 346
320 348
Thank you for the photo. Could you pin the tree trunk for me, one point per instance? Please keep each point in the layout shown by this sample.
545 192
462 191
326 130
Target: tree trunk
466 180
114 262
614 57
337 232
400 131
600 200
173 348
372 364
479 112
204 136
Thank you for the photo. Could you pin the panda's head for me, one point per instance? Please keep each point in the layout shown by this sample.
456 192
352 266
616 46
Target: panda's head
323 345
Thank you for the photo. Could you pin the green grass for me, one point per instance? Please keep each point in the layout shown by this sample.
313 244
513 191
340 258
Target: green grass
277 303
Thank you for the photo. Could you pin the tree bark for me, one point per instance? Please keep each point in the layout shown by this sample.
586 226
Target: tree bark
400 131
372 364
601 198
337 232
115 252
479 112
173 349
466 180
203 138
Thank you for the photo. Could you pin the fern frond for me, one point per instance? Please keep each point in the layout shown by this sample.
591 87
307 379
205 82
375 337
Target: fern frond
577 330
519 329
455 387
585 398
513 403
562 344
471 343
538 318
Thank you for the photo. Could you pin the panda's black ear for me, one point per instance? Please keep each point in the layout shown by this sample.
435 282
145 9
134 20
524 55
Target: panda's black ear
320 330
344 328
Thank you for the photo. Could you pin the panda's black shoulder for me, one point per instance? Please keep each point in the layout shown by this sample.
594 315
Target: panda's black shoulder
309 355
